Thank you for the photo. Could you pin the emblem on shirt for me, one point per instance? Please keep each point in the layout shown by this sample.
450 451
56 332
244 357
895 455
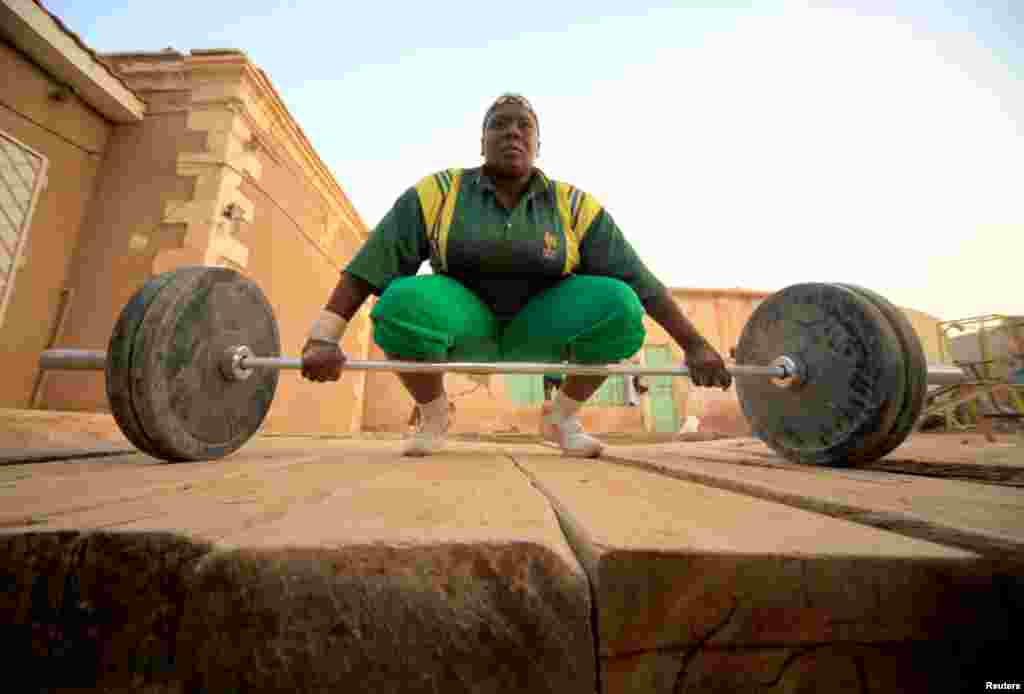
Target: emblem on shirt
550 244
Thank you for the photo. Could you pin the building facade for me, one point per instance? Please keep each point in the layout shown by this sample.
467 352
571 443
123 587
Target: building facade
115 168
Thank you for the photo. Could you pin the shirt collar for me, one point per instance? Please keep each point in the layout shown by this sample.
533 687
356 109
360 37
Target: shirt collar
539 182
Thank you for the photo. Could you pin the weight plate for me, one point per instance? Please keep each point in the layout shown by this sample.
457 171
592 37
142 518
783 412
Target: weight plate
119 360
854 379
916 364
185 406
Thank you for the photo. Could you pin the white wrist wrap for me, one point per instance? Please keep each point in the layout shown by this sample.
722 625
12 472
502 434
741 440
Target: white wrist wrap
329 327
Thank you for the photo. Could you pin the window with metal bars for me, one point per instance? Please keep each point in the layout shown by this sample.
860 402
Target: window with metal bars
22 177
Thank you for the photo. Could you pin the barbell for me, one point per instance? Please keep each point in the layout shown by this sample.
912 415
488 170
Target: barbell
826 374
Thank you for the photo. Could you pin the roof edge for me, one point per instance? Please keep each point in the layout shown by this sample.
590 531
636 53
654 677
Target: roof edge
243 81
44 38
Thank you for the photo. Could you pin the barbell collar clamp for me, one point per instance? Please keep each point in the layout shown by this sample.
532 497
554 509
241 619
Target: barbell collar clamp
231 364
796 374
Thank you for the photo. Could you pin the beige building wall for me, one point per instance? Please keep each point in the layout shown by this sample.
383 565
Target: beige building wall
218 173
123 238
297 259
73 138
719 315
927 328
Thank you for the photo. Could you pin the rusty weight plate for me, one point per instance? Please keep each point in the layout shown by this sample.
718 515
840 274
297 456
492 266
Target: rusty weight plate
118 368
186 407
855 375
916 364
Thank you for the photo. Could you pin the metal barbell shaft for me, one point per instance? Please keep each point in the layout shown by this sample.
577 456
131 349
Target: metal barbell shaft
72 360
80 359
510 368
86 360
945 375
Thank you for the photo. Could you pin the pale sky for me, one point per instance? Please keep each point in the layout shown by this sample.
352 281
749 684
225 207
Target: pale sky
748 145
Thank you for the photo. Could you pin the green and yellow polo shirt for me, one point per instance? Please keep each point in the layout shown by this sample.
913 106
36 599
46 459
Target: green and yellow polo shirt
505 257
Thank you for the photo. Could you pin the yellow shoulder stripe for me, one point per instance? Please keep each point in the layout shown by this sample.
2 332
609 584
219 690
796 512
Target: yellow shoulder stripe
447 211
578 211
429 193
438 194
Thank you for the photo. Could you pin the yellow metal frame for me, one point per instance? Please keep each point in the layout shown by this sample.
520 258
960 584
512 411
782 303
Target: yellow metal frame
947 408
989 381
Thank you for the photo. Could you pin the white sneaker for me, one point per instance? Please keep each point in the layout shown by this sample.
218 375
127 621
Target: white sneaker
568 434
426 441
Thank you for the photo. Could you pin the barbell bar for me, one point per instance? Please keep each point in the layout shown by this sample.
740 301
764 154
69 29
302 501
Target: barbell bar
238 361
826 374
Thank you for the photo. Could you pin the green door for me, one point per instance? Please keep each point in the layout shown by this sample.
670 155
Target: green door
524 389
663 405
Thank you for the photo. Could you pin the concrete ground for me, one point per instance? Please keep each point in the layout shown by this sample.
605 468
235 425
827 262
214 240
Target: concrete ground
313 564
